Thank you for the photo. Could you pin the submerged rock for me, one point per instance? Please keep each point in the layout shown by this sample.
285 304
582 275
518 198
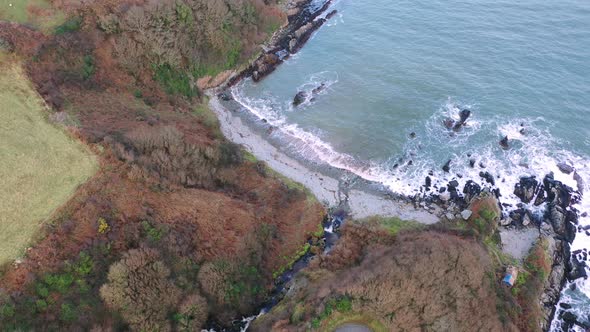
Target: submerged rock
448 123
565 168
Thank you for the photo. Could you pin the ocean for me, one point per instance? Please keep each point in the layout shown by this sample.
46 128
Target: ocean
381 77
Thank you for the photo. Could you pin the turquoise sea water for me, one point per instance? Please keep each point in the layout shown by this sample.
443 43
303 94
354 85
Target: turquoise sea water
392 68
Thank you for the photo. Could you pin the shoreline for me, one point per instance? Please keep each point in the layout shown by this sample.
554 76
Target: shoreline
329 185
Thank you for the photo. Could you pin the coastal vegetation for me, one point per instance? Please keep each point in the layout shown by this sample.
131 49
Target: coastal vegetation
174 210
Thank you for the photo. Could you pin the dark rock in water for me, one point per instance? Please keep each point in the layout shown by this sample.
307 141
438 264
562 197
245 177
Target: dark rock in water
331 14
540 196
447 166
496 193
225 96
488 177
300 97
428 182
569 317
482 165
453 184
410 163
504 143
472 163
448 123
580 182
522 131
464 115
471 190
578 269
565 305
571 220
557 219
319 89
557 192
565 168
412 135
526 188
442 190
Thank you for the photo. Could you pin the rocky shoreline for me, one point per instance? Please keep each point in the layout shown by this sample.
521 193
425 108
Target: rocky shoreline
556 226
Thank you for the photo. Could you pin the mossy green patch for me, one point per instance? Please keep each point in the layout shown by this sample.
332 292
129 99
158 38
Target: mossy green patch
393 224
291 260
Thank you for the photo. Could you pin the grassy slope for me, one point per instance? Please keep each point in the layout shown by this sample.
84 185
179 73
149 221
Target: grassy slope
40 166
20 11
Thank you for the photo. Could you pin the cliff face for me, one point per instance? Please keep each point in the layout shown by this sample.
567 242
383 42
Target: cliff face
122 77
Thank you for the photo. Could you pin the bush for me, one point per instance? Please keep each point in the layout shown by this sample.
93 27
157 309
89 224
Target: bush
71 25
163 152
140 290
174 81
192 313
88 68
67 313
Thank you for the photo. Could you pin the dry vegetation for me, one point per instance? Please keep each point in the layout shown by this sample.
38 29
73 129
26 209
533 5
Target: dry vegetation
174 208
416 280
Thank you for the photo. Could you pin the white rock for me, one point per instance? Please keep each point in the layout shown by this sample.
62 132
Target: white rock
450 216
445 196
466 214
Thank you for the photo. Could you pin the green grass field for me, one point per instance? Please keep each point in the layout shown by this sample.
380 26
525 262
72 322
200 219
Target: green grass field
40 165
19 11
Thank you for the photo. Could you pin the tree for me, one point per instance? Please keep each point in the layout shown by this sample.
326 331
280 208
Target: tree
139 289
192 313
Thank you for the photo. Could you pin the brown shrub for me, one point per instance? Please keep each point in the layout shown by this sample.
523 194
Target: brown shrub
163 152
352 246
213 278
193 312
139 289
